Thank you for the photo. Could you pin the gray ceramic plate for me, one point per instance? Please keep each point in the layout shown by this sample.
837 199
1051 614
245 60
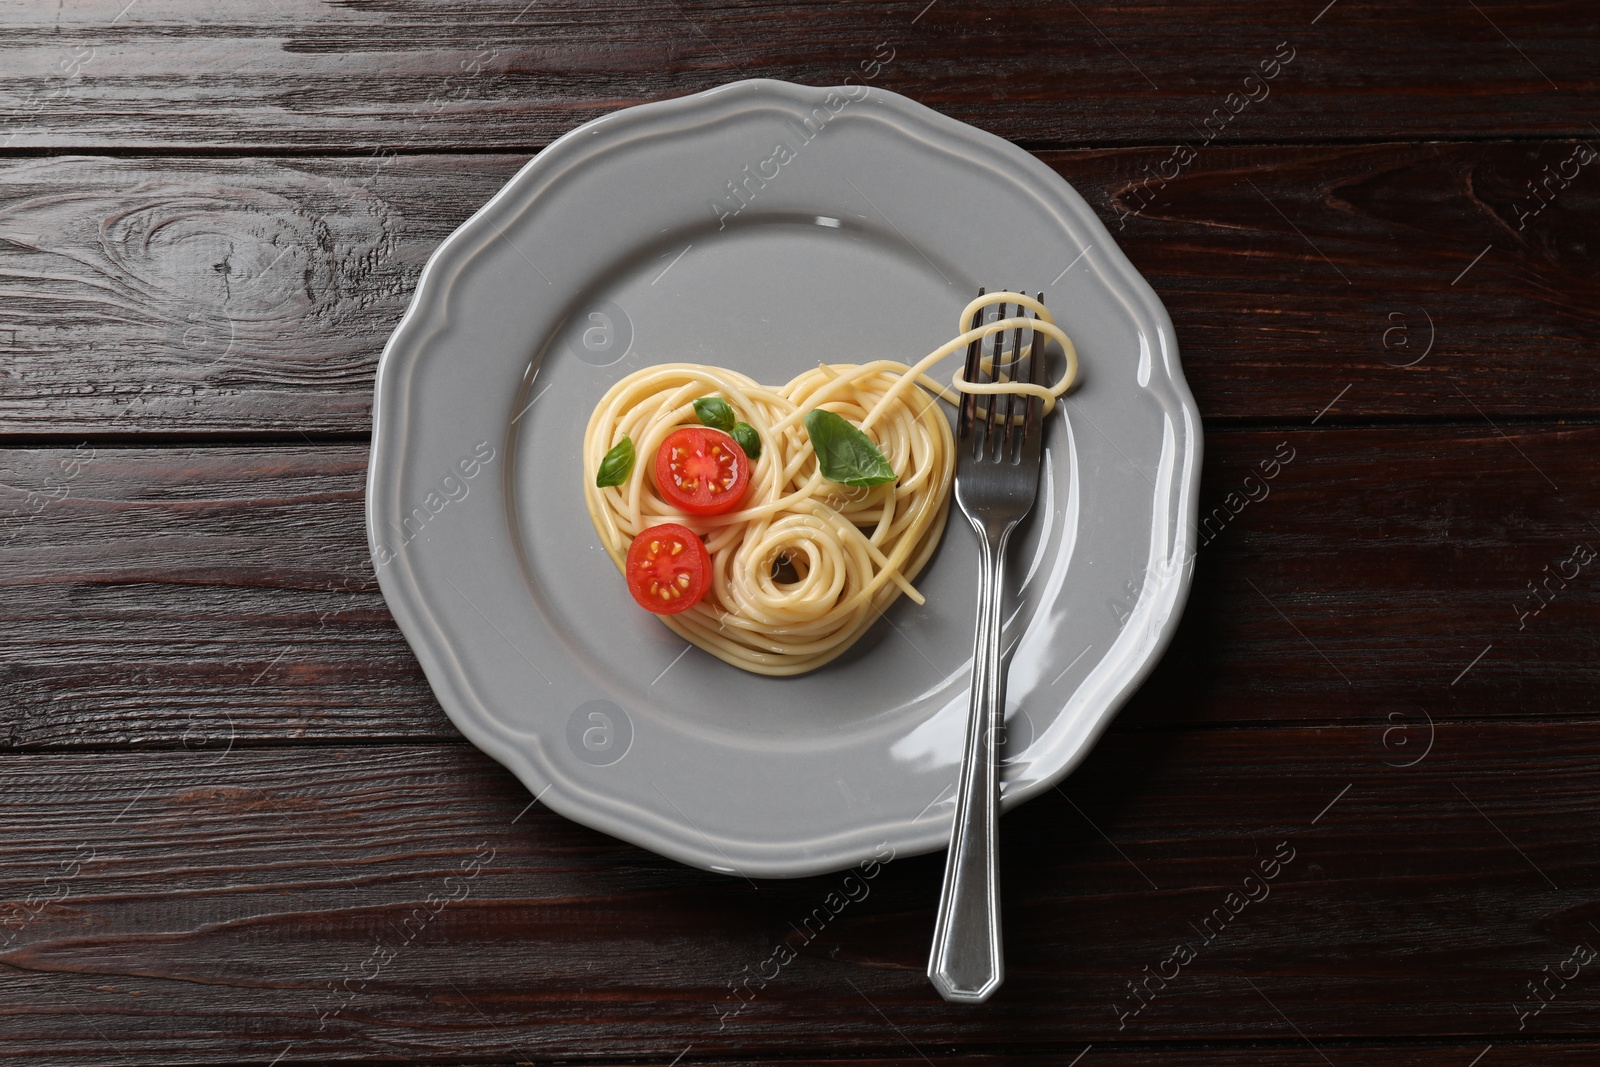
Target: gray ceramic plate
764 226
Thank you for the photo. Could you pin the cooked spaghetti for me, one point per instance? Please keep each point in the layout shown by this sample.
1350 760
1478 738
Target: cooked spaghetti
804 566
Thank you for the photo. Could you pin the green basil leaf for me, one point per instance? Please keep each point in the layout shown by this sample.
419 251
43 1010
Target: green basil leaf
846 455
617 465
714 412
748 439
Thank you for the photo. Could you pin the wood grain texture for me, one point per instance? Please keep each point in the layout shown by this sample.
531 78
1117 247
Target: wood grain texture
236 828
230 296
1570 1053
1282 1053
386 76
204 295
196 907
199 597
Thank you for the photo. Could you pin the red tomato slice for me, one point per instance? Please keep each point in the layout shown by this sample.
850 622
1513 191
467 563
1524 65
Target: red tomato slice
669 569
702 471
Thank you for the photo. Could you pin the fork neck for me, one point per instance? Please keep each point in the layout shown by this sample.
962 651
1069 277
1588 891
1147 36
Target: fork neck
993 534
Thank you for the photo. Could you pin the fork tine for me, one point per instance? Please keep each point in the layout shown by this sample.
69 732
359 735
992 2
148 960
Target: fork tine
989 448
969 401
1013 434
1033 409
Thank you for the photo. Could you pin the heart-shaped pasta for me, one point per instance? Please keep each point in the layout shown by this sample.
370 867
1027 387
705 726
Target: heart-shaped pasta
805 565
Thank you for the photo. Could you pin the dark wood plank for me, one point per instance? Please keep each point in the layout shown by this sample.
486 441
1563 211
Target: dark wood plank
195 295
221 296
1438 572
1431 281
436 75
197 596
1570 1053
183 908
1579 1053
235 583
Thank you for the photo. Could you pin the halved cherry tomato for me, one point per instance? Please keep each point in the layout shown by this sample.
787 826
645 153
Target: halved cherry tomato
669 569
702 471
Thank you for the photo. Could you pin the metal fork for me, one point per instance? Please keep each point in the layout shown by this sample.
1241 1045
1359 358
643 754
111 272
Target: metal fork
997 478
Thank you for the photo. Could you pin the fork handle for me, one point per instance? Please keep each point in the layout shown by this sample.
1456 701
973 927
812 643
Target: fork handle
966 963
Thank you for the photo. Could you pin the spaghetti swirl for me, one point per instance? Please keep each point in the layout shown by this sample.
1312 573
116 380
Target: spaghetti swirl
805 566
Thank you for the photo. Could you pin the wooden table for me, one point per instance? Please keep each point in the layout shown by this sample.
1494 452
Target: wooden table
227 794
